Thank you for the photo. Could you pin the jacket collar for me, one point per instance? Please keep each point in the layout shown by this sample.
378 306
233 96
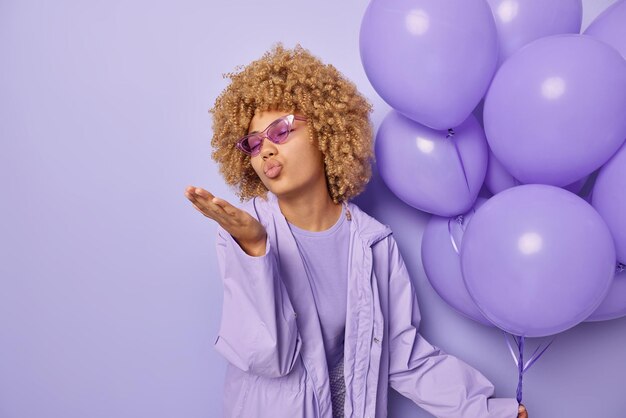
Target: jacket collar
369 230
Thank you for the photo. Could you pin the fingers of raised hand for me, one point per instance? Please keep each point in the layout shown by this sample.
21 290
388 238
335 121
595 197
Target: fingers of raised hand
208 204
202 201
226 207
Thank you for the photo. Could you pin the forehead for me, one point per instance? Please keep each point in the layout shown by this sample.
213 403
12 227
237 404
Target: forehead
262 119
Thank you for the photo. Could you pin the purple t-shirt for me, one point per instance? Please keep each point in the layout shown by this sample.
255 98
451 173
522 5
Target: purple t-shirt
325 256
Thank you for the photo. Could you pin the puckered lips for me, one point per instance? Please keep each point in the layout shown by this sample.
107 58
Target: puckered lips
272 168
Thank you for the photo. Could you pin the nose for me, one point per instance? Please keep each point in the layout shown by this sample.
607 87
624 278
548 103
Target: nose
268 148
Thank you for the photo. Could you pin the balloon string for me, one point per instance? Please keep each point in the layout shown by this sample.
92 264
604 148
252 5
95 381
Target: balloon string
510 348
520 368
459 220
519 359
458 155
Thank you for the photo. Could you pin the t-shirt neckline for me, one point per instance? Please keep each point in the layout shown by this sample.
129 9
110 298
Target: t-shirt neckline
323 233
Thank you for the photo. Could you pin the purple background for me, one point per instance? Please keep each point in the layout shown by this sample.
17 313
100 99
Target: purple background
110 297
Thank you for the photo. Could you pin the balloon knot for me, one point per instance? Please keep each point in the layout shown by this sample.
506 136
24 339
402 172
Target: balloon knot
620 267
450 133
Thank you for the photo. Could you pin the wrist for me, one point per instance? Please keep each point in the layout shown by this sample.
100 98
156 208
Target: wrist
255 248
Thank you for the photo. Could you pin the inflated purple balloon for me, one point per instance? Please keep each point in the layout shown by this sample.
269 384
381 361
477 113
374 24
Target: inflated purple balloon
610 26
430 60
609 199
498 179
537 260
614 304
522 21
555 110
440 172
441 246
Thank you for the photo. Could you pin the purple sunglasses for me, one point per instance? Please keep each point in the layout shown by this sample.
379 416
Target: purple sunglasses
277 132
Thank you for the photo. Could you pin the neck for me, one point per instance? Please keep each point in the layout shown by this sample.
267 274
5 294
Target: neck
314 213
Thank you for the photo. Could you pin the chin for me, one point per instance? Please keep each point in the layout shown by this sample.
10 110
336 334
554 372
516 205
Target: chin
281 192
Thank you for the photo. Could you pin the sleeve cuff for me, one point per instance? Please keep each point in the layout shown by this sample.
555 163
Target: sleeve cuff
239 252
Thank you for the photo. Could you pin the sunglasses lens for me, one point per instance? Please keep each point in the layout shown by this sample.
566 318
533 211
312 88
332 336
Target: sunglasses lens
279 131
252 144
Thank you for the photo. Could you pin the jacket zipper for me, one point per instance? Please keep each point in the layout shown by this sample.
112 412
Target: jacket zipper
348 215
369 352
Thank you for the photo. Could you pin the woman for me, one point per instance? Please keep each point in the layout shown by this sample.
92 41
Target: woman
320 315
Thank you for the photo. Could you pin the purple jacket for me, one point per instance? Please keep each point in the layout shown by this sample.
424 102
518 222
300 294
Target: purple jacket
271 336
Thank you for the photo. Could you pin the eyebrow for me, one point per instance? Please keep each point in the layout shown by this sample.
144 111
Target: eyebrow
256 132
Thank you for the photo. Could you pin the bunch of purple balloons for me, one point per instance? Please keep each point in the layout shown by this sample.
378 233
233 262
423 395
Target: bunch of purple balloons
509 98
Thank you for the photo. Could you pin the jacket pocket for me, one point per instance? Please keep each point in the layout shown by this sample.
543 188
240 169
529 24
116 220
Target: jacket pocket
291 382
287 396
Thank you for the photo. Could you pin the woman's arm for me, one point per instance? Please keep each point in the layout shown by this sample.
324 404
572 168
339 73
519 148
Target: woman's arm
438 382
258 331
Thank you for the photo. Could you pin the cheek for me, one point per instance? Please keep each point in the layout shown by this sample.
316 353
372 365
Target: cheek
257 167
314 165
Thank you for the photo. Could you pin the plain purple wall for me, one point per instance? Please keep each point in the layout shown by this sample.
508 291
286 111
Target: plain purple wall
110 299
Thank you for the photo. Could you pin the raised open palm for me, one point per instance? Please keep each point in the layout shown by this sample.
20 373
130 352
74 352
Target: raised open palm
246 230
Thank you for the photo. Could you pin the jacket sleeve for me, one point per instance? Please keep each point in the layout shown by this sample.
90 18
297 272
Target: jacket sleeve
438 382
258 331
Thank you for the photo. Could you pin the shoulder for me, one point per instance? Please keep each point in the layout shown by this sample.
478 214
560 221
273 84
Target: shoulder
372 231
379 236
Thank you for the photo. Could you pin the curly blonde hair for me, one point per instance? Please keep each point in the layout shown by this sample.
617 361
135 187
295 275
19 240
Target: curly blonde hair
295 81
